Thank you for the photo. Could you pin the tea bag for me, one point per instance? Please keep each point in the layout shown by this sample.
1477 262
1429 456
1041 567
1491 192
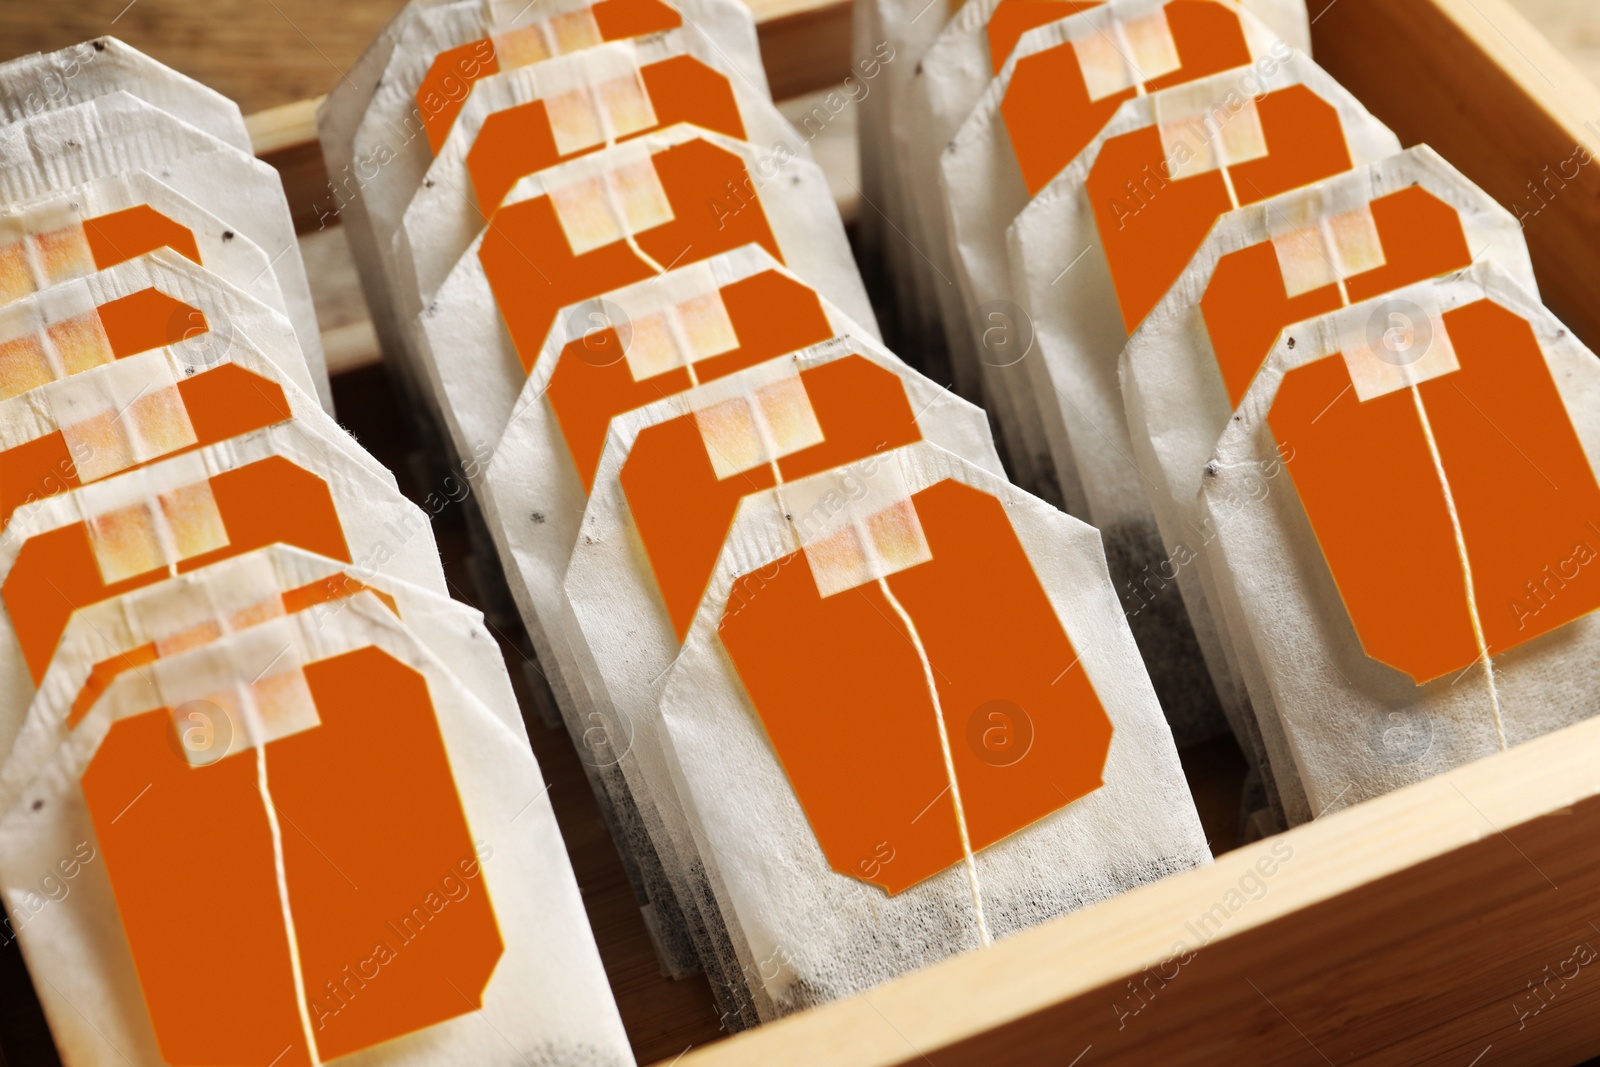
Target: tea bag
664 497
292 483
127 634
33 84
392 866
90 227
693 325
439 52
159 299
118 133
972 50
1405 511
611 219
138 409
1059 90
1090 256
1263 267
921 617
530 118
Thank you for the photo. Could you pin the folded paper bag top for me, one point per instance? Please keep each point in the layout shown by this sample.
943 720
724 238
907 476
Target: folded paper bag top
608 220
632 348
99 224
525 120
1059 90
106 640
868 617
137 410
377 161
155 300
436 907
1426 536
287 483
118 133
33 84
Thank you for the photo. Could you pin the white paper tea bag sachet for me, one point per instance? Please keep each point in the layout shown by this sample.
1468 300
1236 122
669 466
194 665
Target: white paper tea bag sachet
390 860
127 634
49 81
118 133
1091 254
1347 238
608 220
73 232
530 118
920 617
439 54
159 299
290 483
1136 37
142 408
1407 519
665 494
1059 90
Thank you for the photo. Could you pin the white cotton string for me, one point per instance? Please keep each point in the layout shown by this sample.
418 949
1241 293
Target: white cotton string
258 737
949 763
1466 567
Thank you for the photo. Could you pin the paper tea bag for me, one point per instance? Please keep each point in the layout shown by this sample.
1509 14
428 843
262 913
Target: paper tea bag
1120 232
973 48
289 483
605 221
33 84
604 357
1348 238
128 633
390 862
1061 87
116 134
139 409
439 54
525 120
156 300
1406 513
91 227
665 496
923 618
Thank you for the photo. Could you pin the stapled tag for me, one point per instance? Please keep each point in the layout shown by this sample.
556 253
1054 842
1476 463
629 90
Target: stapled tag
40 246
1200 133
596 96
759 424
1116 55
856 524
600 201
1396 342
671 321
230 697
55 335
120 415
153 518
197 609
1328 249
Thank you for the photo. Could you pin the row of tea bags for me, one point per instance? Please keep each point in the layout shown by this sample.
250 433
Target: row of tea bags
1301 380
266 795
850 701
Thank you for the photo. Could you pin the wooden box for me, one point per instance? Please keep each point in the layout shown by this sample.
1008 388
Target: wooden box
1456 922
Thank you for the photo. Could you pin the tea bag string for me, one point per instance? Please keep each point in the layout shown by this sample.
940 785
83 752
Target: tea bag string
968 859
